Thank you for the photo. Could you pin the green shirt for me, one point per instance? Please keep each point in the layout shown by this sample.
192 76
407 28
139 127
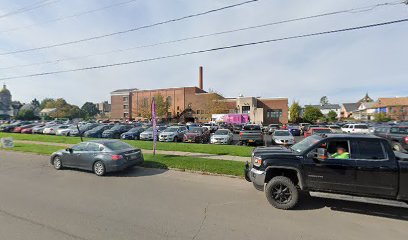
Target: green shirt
344 155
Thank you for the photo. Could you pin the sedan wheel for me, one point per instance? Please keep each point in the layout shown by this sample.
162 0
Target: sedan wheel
99 168
57 163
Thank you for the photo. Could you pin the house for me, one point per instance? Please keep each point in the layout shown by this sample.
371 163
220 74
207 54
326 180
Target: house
347 109
364 112
47 111
395 108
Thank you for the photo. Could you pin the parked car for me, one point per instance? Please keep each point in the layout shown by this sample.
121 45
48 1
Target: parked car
272 128
116 131
148 134
335 128
96 132
65 131
237 128
132 134
197 135
29 130
228 126
39 129
302 126
222 136
212 127
307 127
282 137
99 156
82 129
355 128
316 130
22 127
173 134
10 127
52 130
294 130
251 134
396 135
372 171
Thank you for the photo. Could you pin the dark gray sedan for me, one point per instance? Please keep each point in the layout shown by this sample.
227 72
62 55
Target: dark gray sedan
99 156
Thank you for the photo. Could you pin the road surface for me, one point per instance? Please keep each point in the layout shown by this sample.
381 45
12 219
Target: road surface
38 202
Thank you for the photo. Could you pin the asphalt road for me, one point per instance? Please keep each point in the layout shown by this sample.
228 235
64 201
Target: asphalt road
38 202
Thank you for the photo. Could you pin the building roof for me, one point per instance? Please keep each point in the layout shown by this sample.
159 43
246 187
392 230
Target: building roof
349 107
128 90
388 102
366 98
325 107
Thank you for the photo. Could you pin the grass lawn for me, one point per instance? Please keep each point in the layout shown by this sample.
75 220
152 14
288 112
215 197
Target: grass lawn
159 161
232 150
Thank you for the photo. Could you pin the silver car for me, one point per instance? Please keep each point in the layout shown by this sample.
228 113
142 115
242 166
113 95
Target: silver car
222 136
148 134
283 137
172 134
99 156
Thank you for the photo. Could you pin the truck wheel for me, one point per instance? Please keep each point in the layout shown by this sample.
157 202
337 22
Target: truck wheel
282 193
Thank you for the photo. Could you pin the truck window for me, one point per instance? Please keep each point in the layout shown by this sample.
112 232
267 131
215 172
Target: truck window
370 150
332 146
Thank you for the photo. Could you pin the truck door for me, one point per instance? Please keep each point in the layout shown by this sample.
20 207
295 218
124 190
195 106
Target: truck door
332 174
377 173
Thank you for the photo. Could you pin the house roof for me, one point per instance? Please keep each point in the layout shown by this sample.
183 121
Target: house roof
349 107
388 102
366 98
48 110
325 107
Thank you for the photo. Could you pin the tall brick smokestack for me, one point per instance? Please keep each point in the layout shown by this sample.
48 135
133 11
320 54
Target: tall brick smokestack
200 78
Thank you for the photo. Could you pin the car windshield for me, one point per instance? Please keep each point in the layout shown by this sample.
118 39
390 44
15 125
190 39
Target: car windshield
281 133
321 131
305 143
136 129
195 130
98 128
173 129
221 132
252 127
117 145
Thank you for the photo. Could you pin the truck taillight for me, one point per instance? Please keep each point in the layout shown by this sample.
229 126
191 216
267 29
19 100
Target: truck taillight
406 139
116 157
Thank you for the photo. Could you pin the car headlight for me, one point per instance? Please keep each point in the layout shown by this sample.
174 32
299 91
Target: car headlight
257 161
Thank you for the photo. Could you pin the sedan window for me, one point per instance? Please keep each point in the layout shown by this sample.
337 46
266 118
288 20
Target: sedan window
80 147
93 147
117 145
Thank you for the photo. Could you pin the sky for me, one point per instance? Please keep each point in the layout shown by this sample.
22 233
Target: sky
343 66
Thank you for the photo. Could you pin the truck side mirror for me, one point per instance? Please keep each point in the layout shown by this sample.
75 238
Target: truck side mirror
321 154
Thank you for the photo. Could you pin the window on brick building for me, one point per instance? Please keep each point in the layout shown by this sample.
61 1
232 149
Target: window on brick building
145 102
246 109
125 99
274 113
126 106
126 115
169 100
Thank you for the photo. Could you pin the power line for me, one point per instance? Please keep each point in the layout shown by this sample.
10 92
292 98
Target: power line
28 8
131 30
353 10
209 50
70 16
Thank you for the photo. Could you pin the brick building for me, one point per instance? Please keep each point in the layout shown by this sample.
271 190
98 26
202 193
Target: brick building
192 104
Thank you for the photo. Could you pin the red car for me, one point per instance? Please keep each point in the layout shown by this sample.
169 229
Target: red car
316 130
197 135
21 128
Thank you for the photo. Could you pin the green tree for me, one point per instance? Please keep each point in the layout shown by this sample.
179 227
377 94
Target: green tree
45 102
162 106
35 103
89 110
295 112
324 100
311 114
26 115
332 116
381 117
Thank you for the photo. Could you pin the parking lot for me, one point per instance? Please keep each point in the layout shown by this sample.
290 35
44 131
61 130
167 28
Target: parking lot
38 202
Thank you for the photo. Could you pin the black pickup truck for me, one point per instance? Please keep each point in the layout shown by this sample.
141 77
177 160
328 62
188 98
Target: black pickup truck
372 170
396 135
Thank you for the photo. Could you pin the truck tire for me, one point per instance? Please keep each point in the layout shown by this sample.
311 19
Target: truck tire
282 193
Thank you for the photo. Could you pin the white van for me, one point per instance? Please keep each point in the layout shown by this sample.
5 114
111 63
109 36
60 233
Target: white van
355 128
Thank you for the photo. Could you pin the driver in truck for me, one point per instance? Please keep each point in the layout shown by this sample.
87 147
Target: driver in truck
341 153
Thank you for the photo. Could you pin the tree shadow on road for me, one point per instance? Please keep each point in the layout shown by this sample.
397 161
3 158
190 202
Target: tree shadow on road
312 203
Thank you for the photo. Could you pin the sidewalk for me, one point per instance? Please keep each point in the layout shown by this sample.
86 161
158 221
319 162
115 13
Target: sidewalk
176 153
